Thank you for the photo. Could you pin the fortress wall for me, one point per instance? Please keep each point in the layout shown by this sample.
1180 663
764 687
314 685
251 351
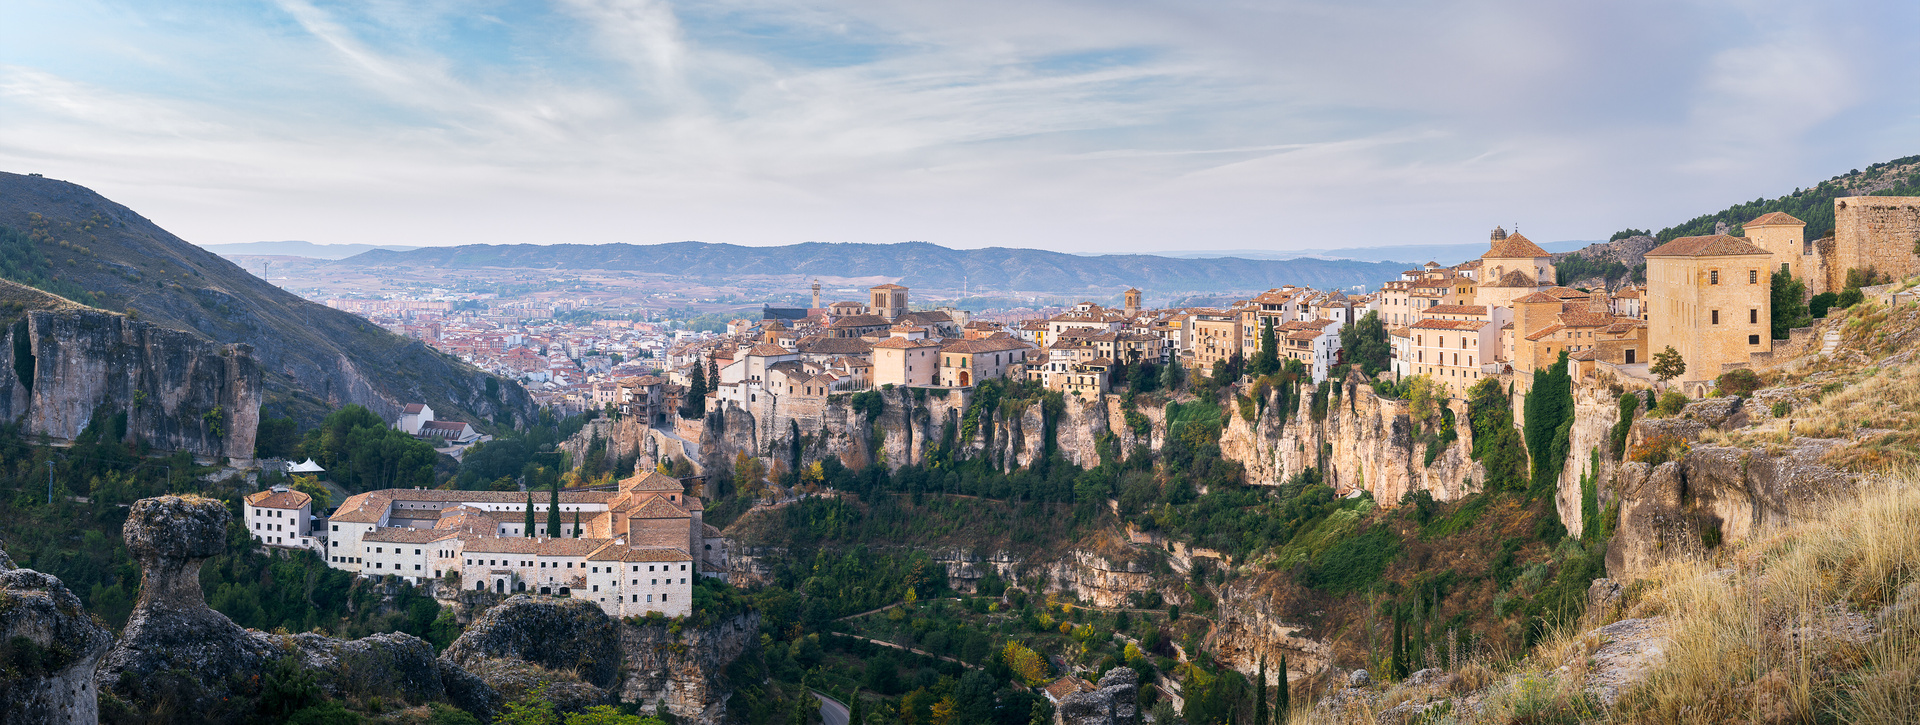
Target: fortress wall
1873 231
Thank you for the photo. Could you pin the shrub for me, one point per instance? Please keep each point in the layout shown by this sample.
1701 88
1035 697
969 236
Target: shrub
1671 403
1848 298
1781 409
1658 448
1741 382
1629 404
1820 303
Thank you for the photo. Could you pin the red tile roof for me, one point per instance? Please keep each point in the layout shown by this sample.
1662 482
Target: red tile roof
1712 245
1775 217
1514 247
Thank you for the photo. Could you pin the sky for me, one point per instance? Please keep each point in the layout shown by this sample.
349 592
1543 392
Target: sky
1076 125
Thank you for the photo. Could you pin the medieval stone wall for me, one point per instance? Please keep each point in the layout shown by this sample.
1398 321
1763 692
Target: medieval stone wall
1873 231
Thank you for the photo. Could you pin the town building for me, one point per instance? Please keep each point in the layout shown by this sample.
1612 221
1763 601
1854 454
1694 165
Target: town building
1709 298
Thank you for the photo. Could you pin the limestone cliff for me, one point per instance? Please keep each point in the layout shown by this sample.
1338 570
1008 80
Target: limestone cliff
568 644
177 390
681 672
1364 442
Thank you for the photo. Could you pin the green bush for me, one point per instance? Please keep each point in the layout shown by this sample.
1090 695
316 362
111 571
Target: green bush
1741 382
1671 403
1353 563
1820 303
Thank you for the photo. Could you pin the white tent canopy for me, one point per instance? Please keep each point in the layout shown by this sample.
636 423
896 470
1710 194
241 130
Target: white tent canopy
307 467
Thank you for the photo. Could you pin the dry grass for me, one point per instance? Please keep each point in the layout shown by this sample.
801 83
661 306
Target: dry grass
1783 629
1815 622
1878 406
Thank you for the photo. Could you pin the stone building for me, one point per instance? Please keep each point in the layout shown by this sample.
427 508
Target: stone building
904 362
964 363
1709 298
1878 232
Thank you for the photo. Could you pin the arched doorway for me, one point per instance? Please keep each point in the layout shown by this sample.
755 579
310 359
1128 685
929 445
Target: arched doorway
500 586
566 591
546 590
966 379
519 586
480 586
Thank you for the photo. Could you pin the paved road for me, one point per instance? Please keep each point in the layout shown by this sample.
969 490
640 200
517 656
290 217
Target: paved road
832 712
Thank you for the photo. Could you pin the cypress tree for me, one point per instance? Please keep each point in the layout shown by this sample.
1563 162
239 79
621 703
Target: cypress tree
553 512
528 531
1260 695
1399 646
1284 696
856 710
576 523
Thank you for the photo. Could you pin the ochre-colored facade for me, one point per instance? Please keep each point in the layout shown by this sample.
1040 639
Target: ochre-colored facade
1708 298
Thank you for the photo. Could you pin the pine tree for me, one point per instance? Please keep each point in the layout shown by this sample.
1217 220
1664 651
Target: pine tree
1283 698
553 512
528 531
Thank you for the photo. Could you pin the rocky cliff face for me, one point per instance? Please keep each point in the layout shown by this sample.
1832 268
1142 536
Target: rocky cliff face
1252 626
177 390
1715 495
1364 442
680 672
51 646
191 664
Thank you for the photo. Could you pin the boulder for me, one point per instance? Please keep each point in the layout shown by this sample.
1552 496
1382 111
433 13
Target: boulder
1114 703
525 641
1359 678
51 646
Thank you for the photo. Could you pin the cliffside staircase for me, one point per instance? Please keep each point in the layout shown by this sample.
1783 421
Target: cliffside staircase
1830 342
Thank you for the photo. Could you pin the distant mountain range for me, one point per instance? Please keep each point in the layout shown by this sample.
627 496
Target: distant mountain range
298 249
914 264
1447 254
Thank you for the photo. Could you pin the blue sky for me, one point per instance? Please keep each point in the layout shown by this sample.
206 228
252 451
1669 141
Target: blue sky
1081 126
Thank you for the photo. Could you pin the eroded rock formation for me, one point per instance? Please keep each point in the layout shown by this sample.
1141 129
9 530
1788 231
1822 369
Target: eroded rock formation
51 646
1113 703
569 644
181 660
681 674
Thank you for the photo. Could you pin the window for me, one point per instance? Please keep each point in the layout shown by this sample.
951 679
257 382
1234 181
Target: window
1713 277
1716 317
1753 316
1753 276
1753 339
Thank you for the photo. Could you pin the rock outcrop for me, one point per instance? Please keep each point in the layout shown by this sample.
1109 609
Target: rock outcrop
179 658
176 390
1113 703
1715 495
568 644
681 673
50 647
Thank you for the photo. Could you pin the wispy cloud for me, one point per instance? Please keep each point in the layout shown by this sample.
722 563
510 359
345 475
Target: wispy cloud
1071 124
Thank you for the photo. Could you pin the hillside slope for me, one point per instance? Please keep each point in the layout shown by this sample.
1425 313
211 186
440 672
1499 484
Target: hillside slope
315 358
1899 177
915 264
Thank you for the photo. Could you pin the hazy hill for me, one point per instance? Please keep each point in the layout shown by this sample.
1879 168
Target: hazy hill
1442 253
80 243
296 248
915 264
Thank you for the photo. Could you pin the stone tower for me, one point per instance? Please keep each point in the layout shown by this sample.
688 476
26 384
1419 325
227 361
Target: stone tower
1133 302
888 301
1783 236
1498 234
816 294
